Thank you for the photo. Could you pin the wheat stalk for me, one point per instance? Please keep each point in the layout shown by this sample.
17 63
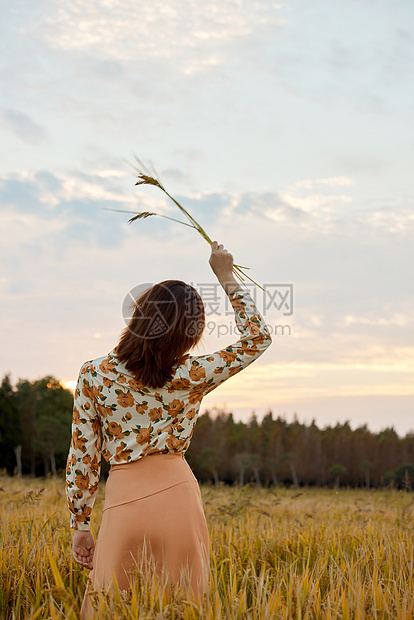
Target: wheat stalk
151 177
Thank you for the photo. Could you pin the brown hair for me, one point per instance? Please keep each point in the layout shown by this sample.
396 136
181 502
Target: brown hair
167 321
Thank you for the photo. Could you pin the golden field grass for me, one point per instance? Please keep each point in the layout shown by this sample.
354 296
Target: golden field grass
275 553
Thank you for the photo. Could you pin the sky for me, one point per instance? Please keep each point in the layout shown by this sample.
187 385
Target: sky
285 128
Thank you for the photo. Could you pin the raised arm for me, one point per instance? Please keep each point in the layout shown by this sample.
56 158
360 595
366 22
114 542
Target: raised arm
206 372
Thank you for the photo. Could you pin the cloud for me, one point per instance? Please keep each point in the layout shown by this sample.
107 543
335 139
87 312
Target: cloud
300 381
394 222
77 198
397 318
175 174
24 127
66 208
297 204
331 181
338 260
312 202
317 61
192 39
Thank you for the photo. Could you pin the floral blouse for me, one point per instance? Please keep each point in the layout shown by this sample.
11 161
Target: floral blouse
119 418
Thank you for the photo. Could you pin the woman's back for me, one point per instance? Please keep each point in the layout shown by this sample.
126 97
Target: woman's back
136 420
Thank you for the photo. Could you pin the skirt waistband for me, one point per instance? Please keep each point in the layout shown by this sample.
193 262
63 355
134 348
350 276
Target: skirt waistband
146 476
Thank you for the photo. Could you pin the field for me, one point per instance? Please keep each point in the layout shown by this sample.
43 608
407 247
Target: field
275 553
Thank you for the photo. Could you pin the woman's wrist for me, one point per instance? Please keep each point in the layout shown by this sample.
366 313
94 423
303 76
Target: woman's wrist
229 283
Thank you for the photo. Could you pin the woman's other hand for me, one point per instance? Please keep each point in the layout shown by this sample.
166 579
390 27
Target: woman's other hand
83 548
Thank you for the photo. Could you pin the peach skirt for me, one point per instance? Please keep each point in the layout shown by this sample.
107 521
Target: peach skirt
153 511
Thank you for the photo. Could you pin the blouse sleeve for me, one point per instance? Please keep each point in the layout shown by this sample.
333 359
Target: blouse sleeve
208 371
84 458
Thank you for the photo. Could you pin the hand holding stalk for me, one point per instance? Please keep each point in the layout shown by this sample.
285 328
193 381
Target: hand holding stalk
221 262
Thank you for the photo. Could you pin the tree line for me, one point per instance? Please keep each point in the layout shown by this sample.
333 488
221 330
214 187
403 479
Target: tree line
35 433
277 452
35 426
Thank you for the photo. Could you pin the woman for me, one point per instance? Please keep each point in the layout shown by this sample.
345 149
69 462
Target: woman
142 400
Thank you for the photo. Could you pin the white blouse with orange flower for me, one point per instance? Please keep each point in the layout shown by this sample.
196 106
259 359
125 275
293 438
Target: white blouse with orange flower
117 417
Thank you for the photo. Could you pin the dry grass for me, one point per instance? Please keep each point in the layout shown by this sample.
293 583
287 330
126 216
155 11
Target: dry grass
274 554
151 177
